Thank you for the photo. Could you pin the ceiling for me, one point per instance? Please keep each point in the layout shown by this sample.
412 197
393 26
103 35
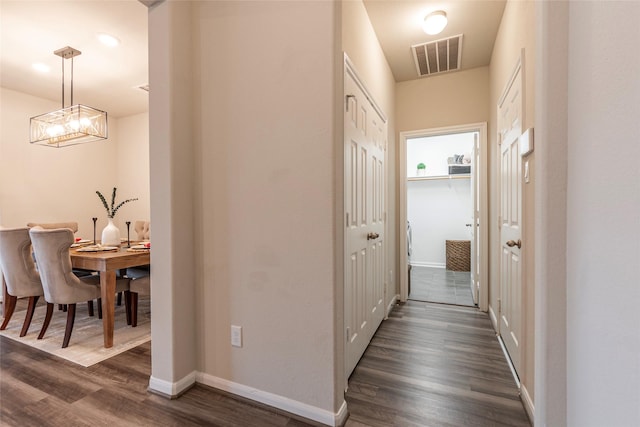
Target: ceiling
104 78
108 78
398 25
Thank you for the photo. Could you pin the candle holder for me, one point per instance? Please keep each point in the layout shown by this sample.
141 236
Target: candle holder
94 230
128 240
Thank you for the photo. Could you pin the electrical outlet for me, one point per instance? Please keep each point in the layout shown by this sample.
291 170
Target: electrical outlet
236 336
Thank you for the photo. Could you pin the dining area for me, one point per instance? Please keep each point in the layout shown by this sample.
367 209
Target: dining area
50 277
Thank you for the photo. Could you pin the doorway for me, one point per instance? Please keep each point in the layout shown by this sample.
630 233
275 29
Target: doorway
440 218
443 207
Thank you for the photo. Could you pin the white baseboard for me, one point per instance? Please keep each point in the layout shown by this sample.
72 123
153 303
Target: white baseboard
284 403
172 389
428 264
391 305
527 402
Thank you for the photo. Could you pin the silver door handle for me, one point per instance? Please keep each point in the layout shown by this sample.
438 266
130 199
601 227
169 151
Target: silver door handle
511 243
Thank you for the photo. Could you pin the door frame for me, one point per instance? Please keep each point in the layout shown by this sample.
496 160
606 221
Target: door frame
350 69
483 218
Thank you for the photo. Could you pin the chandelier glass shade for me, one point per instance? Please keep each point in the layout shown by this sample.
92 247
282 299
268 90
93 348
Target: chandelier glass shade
71 125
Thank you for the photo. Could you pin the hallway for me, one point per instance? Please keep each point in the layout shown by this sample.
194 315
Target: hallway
434 365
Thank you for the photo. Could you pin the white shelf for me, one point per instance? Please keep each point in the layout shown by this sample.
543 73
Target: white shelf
440 177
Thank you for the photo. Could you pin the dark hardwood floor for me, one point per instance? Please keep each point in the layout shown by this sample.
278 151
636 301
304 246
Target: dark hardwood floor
434 365
428 365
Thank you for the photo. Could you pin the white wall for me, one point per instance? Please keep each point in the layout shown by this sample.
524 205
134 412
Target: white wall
262 198
517 31
133 170
434 152
603 211
438 211
463 97
42 184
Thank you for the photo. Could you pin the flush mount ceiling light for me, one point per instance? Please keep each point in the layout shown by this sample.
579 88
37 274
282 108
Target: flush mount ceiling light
71 125
435 22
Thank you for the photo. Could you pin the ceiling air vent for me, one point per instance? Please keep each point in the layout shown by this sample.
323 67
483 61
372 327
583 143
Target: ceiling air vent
439 56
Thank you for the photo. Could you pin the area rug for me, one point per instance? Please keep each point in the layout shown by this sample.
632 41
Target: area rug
86 347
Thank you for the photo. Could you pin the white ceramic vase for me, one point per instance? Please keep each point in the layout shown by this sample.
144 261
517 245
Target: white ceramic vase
110 234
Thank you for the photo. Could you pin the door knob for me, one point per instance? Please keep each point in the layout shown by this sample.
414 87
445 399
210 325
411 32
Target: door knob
372 236
511 243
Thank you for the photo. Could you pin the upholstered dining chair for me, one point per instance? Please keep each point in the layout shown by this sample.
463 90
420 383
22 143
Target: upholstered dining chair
73 226
20 274
59 283
142 229
138 286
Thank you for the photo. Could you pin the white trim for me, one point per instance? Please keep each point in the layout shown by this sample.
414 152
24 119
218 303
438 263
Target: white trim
481 128
509 362
353 72
428 264
392 303
527 403
280 402
172 389
493 318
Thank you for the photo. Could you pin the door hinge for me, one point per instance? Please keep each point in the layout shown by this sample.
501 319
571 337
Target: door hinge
499 305
347 219
348 334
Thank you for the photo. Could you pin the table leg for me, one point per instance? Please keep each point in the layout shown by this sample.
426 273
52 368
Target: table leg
108 292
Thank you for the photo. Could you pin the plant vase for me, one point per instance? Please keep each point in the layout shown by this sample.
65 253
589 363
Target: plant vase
111 234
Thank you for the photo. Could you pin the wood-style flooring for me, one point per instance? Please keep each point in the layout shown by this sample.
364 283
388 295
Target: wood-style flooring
428 365
434 365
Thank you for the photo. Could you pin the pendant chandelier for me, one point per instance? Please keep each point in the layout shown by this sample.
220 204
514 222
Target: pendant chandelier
71 125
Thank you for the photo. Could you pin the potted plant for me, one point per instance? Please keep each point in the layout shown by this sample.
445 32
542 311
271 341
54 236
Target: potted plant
111 233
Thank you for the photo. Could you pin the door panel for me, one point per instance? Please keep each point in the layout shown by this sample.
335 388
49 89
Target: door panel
365 139
510 301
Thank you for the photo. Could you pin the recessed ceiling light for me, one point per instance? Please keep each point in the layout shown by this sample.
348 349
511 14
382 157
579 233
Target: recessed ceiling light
108 40
435 22
41 68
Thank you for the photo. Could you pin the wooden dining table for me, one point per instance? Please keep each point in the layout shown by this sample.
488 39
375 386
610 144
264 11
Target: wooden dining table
107 263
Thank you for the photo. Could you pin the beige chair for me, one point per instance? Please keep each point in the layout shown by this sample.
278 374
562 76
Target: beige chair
143 229
139 286
73 226
59 283
21 277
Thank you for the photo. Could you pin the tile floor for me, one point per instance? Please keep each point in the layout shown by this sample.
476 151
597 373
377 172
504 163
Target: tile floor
439 285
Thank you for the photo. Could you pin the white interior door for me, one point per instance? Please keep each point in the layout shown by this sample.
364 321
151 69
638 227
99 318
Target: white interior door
475 218
510 302
365 141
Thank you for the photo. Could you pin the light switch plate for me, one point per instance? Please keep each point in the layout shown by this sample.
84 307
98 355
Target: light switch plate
526 142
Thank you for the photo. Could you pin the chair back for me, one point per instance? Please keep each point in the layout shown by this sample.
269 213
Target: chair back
59 283
51 225
19 270
143 229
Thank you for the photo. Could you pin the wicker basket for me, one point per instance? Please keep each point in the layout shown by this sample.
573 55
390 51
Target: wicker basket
458 255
